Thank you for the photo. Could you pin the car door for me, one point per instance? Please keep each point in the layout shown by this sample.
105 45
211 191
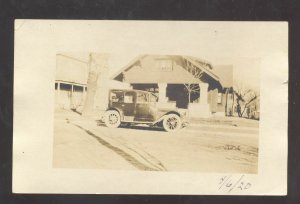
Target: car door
116 99
152 107
123 101
142 107
128 106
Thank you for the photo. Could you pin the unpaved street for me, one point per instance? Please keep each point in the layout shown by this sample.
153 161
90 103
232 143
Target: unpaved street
205 147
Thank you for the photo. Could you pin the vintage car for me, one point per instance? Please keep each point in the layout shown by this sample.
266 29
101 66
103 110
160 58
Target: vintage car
140 107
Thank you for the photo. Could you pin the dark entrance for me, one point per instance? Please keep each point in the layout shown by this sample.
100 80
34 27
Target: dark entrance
179 93
175 92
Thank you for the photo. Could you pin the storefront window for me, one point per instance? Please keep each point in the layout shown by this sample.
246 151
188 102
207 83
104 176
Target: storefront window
78 88
65 87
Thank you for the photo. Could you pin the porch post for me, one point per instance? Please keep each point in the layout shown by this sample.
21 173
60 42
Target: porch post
162 91
58 95
83 95
203 93
72 98
201 109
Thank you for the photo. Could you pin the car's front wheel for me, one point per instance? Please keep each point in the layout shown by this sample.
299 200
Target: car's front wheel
172 122
112 119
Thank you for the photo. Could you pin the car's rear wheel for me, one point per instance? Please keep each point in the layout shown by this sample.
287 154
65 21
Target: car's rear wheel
112 119
172 122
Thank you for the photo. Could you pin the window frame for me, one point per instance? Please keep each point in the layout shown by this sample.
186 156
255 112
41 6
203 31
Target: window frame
121 99
124 95
142 102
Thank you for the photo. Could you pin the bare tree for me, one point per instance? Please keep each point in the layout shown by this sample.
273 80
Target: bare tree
193 88
97 63
244 97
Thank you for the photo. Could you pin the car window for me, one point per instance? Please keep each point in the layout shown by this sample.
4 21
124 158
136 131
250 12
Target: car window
128 98
141 97
116 96
153 98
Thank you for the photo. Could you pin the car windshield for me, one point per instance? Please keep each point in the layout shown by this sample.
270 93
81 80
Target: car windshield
117 96
141 97
153 98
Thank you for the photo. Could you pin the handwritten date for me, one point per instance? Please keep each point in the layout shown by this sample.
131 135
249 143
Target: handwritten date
230 183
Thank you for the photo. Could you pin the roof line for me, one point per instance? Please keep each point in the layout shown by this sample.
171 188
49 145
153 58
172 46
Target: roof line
125 67
67 56
134 90
209 72
69 82
199 59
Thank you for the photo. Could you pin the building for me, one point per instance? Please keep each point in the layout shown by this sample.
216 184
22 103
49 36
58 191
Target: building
182 81
71 83
179 81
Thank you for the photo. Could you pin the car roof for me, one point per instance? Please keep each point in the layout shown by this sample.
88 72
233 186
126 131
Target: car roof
130 90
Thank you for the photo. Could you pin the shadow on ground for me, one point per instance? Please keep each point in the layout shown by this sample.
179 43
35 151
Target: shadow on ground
134 127
128 157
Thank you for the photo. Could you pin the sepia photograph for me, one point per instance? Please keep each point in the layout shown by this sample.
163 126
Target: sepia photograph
150 107
156 113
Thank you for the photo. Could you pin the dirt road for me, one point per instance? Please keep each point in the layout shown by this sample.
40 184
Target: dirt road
86 143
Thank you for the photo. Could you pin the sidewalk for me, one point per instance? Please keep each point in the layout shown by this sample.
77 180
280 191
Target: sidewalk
214 121
223 121
221 126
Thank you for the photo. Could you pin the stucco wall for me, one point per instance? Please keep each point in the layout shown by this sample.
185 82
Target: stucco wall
147 72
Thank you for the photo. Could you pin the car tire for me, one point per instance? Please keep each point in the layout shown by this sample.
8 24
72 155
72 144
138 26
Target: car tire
172 122
112 119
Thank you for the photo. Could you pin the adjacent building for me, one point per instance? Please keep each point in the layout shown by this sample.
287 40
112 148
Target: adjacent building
71 83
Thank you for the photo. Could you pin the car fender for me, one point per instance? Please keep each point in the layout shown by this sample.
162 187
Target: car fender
119 111
159 119
163 117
